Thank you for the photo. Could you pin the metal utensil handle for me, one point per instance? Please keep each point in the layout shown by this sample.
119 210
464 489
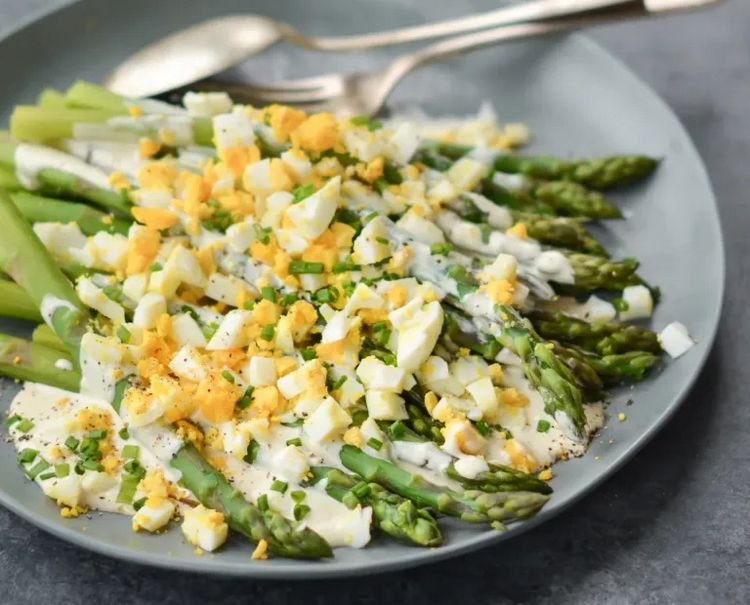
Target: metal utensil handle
536 10
468 42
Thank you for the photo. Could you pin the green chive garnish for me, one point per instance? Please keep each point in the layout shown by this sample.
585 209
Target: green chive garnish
296 441
25 425
268 293
375 444
279 486
267 332
298 267
228 376
130 452
263 502
123 334
542 426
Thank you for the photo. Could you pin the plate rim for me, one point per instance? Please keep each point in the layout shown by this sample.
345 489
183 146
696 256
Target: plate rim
412 557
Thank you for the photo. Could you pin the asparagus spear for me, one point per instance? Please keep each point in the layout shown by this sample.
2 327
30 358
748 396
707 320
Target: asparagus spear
597 337
36 208
398 517
589 272
595 272
14 302
598 173
9 181
558 197
24 258
500 478
24 360
62 183
615 369
573 199
43 335
559 232
285 538
469 505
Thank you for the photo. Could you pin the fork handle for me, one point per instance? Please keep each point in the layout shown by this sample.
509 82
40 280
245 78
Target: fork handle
527 12
402 65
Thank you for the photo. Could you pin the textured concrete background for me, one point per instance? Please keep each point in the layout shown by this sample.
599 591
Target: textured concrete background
671 527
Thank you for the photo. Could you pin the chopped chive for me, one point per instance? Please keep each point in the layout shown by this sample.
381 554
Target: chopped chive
263 502
25 425
247 399
72 443
252 451
13 419
302 192
123 334
209 330
441 248
248 305
267 332
124 433
382 240
326 295
262 233
228 376
300 511
542 426
62 470
381 185
133 467
298 496
268 293
97 434
39 467
620 304
139 504
78 469
130 452
296 441
128 487
308 354
375 444
45 476
298 267
27 454
279 486
482 428
156 267
289 299
92 465
350 500
369 217
392 174
337 384
344 266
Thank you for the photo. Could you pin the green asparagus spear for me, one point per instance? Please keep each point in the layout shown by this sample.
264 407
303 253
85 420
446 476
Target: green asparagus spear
597 337
500 478
14 302
8 180
586 377
284 537
24 258
394 515
618 368
24 360
43 335
594 272
560 232
573 199
598 173
469 505
43 209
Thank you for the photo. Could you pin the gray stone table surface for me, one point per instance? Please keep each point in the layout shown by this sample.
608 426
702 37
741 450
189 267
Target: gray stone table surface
673 526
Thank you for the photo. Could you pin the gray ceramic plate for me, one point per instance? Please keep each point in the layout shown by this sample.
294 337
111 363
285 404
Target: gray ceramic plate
576 98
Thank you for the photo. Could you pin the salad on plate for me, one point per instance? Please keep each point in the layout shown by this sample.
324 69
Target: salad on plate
304 328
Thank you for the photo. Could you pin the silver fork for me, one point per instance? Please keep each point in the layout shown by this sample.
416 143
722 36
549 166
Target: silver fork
366 92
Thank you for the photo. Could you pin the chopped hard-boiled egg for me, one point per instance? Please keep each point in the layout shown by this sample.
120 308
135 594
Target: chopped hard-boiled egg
675 339
328 420
638 303
204 527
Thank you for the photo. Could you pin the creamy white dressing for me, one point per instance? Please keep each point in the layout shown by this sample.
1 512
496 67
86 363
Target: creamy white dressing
424 454
53 413
31 159
498 217
50 304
